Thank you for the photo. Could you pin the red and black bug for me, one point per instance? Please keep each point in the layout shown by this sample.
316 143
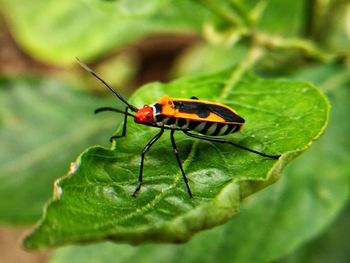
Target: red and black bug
207 119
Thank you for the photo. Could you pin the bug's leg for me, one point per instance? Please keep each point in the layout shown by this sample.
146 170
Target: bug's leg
221 140
124 126
145 149
179 161
125 113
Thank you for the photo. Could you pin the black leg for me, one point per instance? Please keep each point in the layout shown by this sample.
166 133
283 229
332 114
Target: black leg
124 126
221 140
125 113
145 149
179 161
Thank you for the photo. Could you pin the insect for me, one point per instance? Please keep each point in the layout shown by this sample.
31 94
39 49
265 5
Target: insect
207 119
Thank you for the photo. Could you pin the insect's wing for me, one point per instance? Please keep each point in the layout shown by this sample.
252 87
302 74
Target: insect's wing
224 112
206 111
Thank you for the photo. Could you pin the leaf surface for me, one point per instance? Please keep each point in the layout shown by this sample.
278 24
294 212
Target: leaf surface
93 202
273 222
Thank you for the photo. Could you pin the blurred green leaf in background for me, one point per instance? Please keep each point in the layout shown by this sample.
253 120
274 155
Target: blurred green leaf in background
57 31
46 121
44 125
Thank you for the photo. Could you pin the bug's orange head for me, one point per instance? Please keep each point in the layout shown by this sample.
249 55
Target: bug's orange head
144 115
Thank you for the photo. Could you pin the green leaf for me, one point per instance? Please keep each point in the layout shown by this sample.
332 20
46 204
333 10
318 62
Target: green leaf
272 222
286 17
213 58
58 31
332 26
332 246
44 124
281 15
93 202
134 7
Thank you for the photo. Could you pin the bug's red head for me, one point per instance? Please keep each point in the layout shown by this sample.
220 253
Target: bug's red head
144 115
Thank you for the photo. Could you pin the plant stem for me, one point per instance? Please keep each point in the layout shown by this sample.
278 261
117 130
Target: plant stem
241 10
238 16
308 47
309 26
222 12
252 57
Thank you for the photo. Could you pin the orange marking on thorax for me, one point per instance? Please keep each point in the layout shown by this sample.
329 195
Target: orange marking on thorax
167 106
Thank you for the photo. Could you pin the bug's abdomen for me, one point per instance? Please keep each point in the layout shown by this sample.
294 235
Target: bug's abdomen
203 127
215 129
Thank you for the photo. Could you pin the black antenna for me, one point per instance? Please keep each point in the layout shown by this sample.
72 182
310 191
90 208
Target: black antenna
87 68
113 109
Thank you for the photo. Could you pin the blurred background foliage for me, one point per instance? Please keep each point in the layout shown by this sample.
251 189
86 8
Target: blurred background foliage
46 107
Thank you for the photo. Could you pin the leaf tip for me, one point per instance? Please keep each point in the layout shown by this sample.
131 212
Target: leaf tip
27 242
